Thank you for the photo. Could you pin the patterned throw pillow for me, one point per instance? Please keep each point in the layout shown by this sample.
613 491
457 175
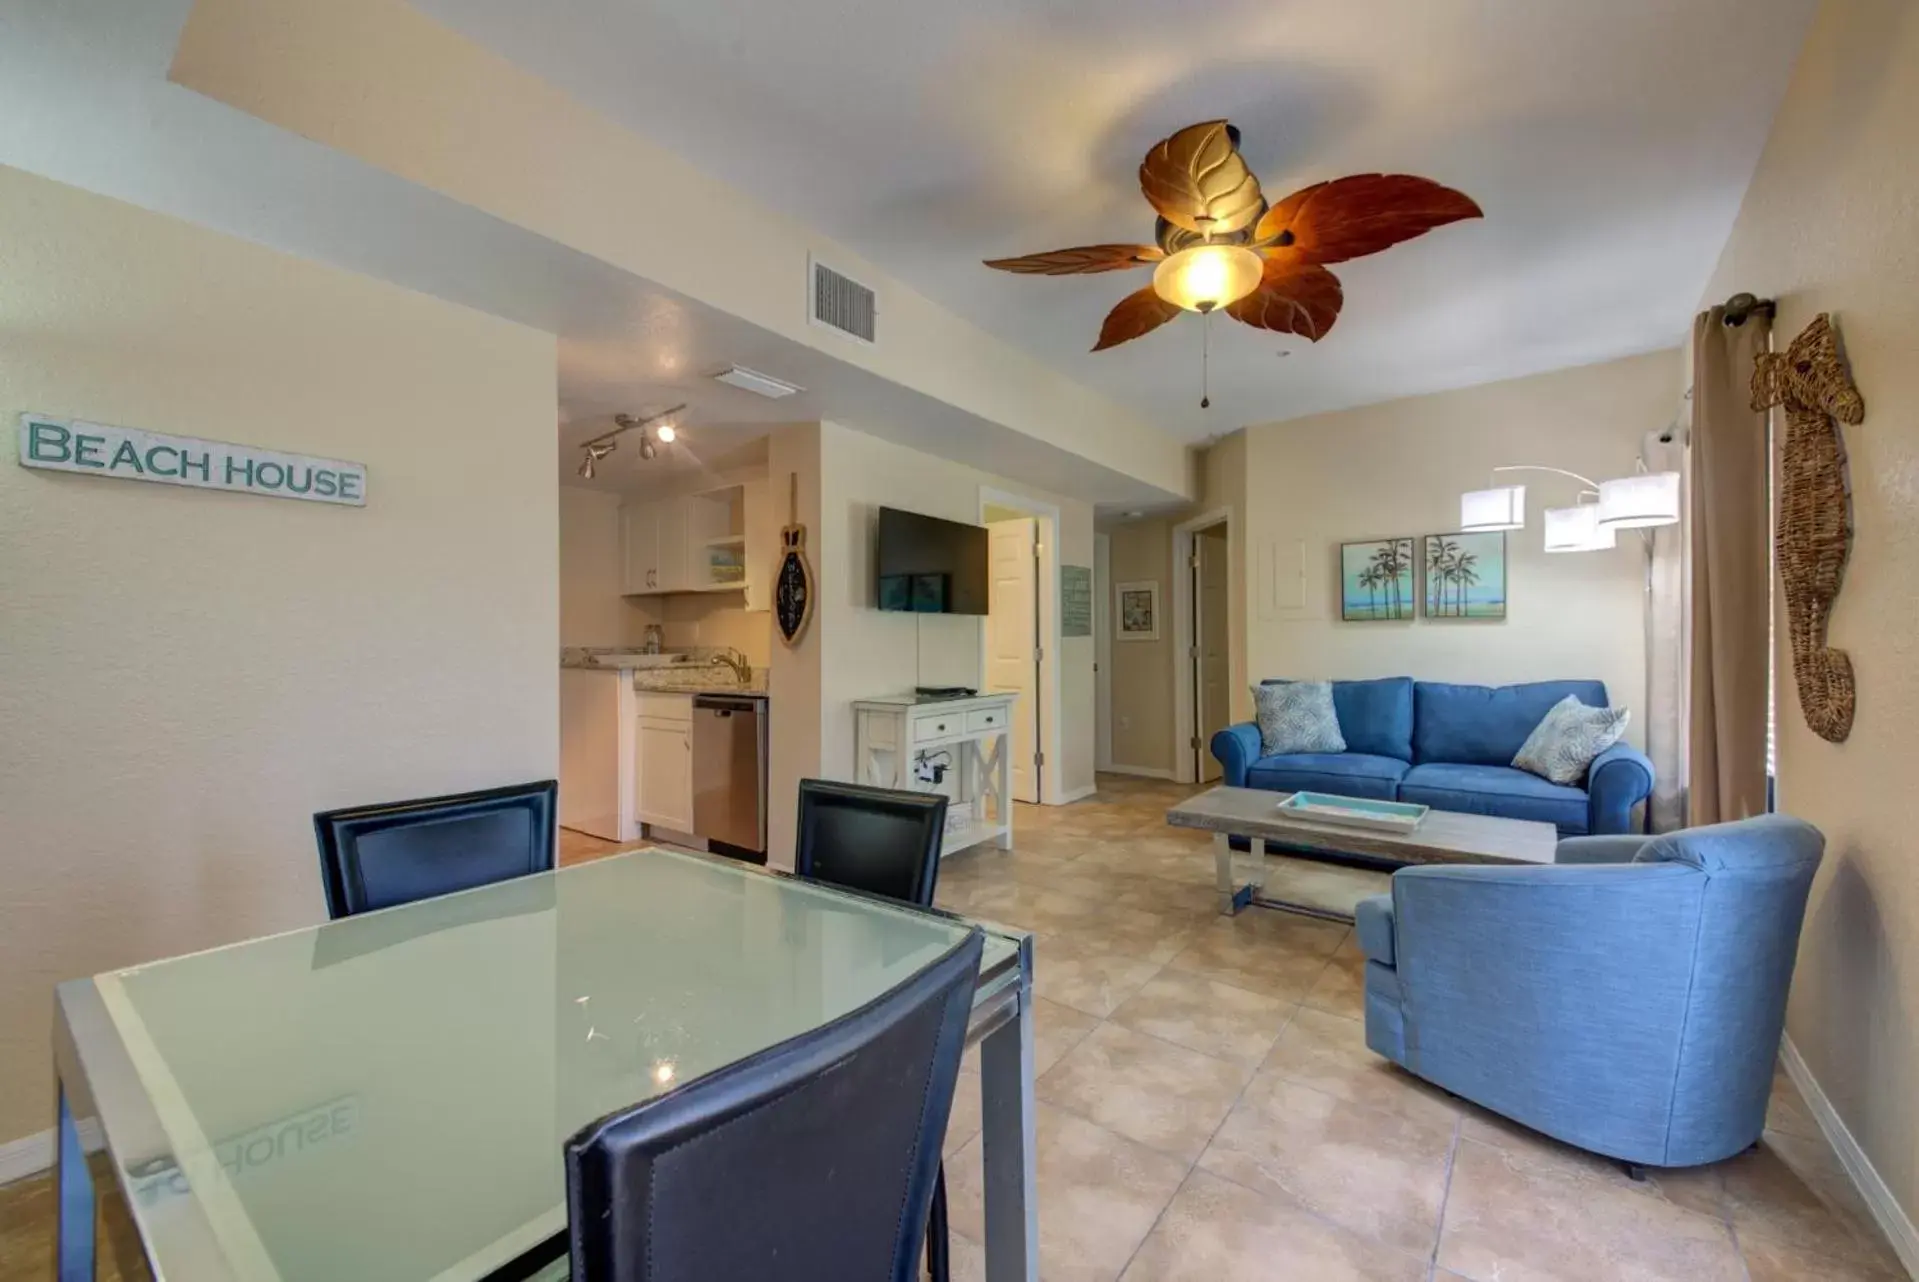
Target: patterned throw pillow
1297 717
1568 737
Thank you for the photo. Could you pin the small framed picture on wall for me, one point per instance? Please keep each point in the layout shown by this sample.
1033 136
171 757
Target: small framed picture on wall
1136 617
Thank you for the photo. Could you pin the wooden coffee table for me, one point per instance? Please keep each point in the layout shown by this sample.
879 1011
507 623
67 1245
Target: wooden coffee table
1443 837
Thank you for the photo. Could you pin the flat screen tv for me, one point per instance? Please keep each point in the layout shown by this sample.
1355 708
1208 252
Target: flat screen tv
928 566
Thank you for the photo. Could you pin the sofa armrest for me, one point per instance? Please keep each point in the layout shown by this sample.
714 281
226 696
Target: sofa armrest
1373 923
1619 779
1236 748
1620 848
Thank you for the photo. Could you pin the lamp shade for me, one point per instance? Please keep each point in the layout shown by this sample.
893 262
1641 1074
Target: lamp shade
1503 508
1577 529
1631 502
1208 276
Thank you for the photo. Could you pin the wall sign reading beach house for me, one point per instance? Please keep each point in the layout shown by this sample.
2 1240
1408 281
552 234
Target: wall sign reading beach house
96 449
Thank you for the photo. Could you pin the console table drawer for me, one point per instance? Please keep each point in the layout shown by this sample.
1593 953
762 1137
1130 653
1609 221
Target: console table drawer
938 727
986 719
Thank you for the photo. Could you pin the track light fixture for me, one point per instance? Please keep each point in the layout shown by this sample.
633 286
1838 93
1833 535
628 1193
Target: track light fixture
600 446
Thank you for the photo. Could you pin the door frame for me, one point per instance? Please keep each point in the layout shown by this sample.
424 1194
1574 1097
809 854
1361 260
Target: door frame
1046 586
1185 716
1103 651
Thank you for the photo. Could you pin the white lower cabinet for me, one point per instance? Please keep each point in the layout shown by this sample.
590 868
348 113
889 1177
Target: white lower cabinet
663 765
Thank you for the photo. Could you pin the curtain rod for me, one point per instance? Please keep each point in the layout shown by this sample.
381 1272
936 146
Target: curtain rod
1741 306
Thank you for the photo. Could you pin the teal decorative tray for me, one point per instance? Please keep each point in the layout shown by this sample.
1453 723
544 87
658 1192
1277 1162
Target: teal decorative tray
1354 812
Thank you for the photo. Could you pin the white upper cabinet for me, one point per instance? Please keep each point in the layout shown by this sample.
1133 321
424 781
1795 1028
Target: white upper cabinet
692 544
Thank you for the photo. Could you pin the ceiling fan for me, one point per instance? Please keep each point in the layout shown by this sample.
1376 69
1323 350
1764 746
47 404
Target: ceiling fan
1220 245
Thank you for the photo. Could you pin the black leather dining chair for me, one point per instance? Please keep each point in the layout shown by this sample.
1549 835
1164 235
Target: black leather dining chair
378 856
812 1161
877 840
883 842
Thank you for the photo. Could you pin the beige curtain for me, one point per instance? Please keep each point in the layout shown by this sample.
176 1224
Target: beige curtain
1668 552
1730 573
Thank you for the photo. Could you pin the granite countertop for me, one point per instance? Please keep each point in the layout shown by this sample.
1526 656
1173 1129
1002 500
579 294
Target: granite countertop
672 673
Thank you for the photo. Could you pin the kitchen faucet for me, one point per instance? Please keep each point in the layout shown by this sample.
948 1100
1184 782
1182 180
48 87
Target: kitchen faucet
742 670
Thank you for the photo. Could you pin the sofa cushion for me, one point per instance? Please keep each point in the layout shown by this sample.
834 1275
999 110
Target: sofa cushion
1376 716
1562 746
1495 790
1345 774
1486 725
1296 716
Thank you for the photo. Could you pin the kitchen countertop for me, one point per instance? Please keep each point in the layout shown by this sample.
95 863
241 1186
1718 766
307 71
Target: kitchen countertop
674 678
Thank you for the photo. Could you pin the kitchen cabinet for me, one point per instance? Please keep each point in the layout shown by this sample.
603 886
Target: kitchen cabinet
670 543
640 555
760 525
663 761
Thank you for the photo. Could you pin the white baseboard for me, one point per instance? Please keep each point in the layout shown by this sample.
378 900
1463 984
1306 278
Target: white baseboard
32 1155
1886 1211
1144 772
1077 794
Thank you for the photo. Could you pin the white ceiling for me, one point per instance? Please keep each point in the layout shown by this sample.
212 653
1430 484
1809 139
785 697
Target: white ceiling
1609 143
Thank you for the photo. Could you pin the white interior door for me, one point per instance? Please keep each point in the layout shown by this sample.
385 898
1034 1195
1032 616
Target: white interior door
1212 663
1102 652
1012 641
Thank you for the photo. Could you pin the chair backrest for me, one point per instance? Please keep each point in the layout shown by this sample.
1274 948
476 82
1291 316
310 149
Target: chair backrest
1486 725
378 856
877 840
1758 875
813 1161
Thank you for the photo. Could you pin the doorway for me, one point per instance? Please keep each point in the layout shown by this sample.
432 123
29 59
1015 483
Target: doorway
1013 641
1211 667
1015 654
1202 662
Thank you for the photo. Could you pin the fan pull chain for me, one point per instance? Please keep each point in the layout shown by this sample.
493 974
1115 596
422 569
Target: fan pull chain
1205 360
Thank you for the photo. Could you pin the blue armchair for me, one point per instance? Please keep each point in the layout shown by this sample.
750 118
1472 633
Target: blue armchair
1628 999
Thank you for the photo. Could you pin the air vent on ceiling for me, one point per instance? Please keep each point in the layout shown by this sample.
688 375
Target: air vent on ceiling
842 303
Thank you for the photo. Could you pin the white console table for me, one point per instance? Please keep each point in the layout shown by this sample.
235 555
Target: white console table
973 733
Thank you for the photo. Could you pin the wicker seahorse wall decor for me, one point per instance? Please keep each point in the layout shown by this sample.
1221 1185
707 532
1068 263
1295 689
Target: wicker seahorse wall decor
1814 535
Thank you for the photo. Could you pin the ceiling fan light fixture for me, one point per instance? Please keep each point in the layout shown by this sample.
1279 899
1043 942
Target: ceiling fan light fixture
1206 277
666 432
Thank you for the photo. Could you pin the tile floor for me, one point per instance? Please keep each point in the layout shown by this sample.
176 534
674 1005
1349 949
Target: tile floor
1208 1110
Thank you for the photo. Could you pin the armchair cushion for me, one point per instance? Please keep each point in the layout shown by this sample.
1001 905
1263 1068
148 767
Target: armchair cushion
1349 774
1495 790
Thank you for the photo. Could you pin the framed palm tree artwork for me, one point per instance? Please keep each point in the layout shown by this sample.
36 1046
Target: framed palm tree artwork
1376 580
1465 575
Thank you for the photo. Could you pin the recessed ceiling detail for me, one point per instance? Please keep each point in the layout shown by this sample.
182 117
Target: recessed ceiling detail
1220 246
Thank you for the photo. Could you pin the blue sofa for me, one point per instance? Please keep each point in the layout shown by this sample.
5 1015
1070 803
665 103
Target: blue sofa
1628 999
1449 747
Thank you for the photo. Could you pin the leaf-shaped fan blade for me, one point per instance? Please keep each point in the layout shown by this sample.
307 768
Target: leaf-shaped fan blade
1292 298
1080 260
1331 222
1138 313
1197 180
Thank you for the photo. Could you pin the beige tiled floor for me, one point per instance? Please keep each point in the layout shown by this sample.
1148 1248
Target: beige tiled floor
1209 1112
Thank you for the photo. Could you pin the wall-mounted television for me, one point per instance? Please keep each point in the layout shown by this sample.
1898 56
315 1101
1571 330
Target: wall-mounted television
928 566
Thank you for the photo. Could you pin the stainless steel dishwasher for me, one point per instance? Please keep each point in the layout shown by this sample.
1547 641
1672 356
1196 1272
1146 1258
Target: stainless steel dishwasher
729 774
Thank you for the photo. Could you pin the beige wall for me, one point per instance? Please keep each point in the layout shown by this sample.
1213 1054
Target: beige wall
1831 223
716 619
186 676
1398 468
852 650
1143 672
592 611
1222 488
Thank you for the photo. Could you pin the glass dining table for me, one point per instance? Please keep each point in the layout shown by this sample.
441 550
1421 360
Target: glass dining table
386 1096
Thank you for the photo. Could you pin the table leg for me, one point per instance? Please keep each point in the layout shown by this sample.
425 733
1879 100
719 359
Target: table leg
1003 770
1229 902
1008 1142
73 1187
